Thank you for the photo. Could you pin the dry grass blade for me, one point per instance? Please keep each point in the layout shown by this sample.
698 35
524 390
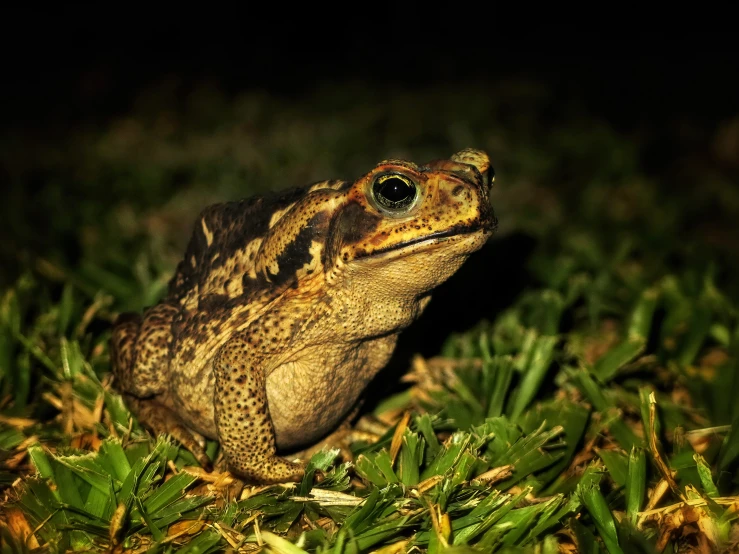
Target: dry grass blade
667 474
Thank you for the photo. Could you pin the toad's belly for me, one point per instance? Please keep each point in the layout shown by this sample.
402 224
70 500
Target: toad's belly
305 408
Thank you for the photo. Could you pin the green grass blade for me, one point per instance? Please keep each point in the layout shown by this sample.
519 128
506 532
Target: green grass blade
608 365
636 483
171 490
617 465
501 367
410 458
589 492
539 358
704 473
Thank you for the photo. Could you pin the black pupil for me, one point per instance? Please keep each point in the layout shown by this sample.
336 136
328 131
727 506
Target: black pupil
395 192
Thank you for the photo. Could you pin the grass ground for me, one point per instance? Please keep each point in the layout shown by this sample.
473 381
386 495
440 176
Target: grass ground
584 395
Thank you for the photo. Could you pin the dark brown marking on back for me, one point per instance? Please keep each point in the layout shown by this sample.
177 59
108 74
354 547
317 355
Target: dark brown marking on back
297 253
232 225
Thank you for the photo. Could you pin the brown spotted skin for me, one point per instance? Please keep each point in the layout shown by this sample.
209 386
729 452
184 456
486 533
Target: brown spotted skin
285 307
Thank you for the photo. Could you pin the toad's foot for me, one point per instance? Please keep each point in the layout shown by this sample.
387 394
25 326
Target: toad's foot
260 474
258 471
268 470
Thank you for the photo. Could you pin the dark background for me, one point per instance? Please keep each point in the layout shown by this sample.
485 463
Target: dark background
71 69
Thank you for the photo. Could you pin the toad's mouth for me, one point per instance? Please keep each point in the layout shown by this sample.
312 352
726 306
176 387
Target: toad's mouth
422 243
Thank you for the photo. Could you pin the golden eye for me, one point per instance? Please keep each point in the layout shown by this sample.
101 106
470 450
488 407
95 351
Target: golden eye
394 192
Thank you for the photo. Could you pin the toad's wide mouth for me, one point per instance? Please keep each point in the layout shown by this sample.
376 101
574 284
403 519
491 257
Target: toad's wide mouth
453 234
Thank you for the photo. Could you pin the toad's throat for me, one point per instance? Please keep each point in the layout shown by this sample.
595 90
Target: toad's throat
457 230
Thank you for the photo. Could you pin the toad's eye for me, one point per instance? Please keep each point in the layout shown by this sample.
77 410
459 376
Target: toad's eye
394 193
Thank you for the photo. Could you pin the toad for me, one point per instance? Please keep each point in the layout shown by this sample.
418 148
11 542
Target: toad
285 307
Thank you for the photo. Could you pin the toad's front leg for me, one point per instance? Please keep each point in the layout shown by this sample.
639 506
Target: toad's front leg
242 415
